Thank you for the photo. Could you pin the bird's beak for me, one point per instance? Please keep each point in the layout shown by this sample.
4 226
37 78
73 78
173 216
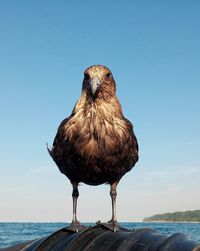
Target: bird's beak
94 84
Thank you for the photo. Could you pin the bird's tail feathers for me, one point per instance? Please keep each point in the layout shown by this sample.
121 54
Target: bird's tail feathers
50 153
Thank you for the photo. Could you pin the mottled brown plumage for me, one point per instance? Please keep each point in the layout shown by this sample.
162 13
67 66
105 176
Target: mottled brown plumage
96 143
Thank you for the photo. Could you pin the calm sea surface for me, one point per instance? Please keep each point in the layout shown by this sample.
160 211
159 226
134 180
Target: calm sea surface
15 233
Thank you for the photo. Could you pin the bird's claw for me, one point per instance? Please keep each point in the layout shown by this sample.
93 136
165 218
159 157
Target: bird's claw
111 225
76 227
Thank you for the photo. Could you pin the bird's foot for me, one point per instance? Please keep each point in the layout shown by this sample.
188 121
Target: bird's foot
111 225
76 227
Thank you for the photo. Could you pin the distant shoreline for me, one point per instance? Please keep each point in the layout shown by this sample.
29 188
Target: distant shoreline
163 221
177 217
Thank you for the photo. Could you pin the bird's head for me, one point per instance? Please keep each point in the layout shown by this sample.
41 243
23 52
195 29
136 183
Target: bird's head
98 82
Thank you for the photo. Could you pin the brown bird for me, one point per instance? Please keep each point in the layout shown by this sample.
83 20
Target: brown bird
96 143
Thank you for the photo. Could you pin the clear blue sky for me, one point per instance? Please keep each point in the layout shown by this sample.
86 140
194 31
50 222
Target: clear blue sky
153 50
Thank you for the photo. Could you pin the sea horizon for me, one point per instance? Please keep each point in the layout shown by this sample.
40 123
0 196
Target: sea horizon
13 233
94 222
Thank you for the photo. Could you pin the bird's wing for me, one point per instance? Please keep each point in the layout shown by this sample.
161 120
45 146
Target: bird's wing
134 139
59 139
59 135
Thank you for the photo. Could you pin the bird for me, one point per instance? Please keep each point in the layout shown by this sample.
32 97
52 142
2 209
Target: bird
96 144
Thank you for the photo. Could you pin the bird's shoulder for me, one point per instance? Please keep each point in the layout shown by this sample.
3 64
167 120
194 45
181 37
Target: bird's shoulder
61 129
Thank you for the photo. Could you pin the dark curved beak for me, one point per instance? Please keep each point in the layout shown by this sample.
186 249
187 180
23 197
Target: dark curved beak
94 84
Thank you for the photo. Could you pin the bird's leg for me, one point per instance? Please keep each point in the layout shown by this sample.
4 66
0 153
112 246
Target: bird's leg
75 225
75 194
113 194
112 224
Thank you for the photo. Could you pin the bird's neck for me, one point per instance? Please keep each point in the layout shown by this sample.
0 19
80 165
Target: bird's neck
107 108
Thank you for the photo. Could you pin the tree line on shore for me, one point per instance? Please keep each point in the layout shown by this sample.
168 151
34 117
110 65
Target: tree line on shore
187 216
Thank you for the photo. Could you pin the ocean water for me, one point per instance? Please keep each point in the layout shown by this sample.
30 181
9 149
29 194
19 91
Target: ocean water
15 233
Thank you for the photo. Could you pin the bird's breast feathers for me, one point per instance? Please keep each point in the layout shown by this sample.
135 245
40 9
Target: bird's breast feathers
96 129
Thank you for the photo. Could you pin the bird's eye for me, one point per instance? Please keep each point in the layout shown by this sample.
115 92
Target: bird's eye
108 75
86 76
